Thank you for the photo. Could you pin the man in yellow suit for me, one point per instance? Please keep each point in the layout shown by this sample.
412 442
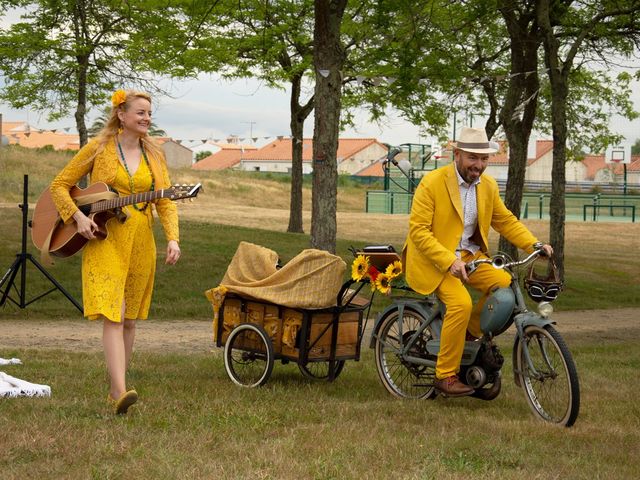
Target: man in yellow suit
453 208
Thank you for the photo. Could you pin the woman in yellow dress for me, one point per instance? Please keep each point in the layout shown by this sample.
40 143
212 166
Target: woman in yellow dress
118 272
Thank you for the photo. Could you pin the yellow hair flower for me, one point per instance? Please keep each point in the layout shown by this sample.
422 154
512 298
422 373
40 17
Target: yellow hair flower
118 98
383 283
394 269
360 268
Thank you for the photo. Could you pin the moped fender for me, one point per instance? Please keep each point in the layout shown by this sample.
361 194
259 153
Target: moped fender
422 307
523 320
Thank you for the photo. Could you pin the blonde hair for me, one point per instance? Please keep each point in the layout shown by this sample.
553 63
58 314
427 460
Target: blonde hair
111 127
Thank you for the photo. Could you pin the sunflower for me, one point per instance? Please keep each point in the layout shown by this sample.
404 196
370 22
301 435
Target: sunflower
360 268
383 283
118 98
394 269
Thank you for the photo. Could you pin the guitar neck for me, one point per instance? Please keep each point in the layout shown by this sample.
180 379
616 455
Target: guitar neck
119 202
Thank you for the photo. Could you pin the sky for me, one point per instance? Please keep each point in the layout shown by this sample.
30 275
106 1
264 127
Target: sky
210 108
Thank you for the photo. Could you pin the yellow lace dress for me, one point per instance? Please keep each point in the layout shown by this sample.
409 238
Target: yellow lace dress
122 266
127 257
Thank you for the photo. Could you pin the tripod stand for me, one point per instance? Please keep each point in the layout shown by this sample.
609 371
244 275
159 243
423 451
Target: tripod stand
21 264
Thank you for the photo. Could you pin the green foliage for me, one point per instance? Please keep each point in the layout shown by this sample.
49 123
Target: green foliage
433 72
201 155
72 54
594 97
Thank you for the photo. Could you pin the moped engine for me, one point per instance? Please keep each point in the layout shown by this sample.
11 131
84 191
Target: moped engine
491 358
476 377
488 363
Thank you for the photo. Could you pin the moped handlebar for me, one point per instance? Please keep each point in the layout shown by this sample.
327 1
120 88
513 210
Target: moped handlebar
502 262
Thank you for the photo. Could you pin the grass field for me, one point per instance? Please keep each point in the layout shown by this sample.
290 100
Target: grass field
193 423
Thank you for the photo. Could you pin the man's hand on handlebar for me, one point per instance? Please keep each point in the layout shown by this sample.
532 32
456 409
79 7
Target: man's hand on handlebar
498 261
459 270
546 248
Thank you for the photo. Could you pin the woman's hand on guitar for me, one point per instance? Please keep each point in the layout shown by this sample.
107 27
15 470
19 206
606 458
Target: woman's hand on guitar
173 252
85 225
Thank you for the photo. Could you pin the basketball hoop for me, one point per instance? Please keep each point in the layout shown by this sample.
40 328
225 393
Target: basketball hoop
618 154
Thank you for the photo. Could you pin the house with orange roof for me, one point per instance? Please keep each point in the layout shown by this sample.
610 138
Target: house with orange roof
375 169
228 156
177 155
215 145
594 168
540 163
21 133
633 171
354 154
9 128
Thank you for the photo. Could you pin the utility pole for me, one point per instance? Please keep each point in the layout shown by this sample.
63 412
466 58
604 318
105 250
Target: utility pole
251 124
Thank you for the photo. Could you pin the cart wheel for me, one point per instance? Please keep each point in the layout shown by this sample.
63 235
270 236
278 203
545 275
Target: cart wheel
248 355
320 370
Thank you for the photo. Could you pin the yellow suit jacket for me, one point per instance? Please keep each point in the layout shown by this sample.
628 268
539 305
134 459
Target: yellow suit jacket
436 226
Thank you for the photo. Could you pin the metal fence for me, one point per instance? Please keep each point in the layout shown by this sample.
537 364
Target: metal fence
578 206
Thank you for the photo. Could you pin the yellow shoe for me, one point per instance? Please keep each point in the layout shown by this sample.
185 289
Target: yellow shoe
124 402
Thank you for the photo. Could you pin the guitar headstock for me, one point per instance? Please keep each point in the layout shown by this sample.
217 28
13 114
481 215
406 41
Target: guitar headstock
182 192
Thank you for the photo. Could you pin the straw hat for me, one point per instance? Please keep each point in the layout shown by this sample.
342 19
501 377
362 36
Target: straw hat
474 140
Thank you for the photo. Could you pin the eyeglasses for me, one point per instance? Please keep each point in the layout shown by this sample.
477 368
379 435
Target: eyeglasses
547 293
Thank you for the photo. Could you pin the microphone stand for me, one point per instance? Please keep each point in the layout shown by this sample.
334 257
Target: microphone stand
20 263
391 158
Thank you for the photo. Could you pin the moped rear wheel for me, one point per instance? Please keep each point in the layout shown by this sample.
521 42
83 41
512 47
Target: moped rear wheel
551 386
401 378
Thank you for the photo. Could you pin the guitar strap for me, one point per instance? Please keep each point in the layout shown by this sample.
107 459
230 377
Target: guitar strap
80 201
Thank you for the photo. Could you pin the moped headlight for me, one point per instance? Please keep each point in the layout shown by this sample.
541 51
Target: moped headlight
545 309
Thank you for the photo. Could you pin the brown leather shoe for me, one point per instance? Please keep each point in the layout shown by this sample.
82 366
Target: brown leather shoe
452 387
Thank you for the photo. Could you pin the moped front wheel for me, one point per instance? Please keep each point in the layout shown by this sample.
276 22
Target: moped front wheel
549 378
400 377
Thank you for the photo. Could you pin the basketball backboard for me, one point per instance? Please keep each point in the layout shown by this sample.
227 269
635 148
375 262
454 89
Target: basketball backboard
618 154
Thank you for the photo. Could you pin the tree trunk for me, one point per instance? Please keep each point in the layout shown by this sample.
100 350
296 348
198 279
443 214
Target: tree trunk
298 116
558 178
519 109
81 38
328 59
81 107
558 77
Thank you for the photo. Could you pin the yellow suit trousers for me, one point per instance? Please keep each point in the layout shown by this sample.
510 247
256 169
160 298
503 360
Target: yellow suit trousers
461 315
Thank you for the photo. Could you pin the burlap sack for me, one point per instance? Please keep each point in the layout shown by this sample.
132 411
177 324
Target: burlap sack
310 280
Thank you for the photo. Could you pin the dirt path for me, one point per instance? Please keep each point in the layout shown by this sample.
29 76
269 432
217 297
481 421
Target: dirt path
195 335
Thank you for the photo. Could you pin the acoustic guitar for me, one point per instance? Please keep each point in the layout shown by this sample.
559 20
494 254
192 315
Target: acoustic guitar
58 239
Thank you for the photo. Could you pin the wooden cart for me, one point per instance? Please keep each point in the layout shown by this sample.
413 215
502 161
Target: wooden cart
254 334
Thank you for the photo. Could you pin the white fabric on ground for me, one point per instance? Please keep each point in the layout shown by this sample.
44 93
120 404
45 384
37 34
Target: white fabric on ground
10 361
14 387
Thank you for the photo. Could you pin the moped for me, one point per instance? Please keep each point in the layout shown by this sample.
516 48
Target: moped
406 341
